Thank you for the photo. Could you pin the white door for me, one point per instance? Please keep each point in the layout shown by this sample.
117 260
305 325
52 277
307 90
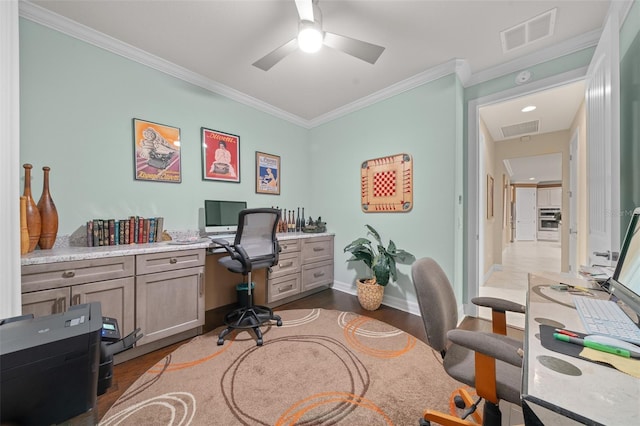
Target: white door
571 220
525 214
603 146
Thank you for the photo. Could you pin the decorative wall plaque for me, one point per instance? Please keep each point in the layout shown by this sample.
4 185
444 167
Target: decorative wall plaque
387 184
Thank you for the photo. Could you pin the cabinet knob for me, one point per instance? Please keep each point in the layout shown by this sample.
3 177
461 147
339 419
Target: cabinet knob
68 274
173 260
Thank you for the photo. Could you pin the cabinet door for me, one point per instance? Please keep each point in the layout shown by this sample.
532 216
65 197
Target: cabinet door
169 302
543 197
317 274
116 299
46 302
555 197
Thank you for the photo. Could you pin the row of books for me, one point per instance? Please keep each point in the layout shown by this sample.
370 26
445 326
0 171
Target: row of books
134 230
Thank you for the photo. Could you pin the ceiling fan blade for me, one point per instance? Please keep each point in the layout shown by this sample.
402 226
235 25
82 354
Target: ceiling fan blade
360 49
305 10
270 59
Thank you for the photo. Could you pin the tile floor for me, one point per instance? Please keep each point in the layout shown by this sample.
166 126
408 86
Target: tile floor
518 259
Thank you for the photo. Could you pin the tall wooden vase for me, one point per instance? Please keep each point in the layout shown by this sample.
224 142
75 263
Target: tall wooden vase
48 214
33 215
24 231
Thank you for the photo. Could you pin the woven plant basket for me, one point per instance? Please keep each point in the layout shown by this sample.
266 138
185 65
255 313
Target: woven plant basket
370 294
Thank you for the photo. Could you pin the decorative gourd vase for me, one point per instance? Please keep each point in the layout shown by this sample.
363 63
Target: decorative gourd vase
33 215
48 215
24 231
370 294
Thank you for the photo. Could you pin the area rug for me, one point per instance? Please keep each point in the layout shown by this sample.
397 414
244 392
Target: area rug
322 367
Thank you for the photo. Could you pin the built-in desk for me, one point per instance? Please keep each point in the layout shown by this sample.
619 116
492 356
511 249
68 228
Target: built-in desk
592 394
305 266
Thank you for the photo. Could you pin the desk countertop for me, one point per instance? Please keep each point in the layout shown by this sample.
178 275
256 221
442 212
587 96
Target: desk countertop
564 385
64 254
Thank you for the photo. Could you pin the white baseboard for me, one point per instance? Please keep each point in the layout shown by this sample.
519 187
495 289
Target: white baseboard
410 306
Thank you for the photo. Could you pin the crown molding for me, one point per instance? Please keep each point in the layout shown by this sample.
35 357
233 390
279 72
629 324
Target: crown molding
575 44
457 66
74 29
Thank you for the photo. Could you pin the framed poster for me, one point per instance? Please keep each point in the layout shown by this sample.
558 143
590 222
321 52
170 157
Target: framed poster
157 152
386 184
220 156
267 173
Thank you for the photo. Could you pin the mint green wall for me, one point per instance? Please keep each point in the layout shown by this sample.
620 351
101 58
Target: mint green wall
421 122
630 115
77 105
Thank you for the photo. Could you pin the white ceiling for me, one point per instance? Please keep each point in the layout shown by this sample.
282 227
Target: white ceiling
218 40
536 169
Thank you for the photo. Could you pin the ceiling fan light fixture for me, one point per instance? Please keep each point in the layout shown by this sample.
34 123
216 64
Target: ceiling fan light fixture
309 37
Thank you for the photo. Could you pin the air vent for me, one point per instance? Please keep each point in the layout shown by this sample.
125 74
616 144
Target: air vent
520 129
538 28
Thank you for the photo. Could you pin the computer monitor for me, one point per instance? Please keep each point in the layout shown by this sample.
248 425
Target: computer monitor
222 216
625 282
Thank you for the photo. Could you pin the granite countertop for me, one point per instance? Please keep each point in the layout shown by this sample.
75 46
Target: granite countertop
65 254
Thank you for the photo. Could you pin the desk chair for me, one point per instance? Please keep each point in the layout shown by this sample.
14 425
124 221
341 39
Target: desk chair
489 362
255 247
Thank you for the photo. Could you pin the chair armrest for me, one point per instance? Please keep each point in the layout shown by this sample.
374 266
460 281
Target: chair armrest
242 256
496 346
497 304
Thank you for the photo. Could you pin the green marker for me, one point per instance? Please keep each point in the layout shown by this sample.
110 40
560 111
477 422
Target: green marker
597 346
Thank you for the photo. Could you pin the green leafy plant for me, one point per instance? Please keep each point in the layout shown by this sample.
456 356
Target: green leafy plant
381 261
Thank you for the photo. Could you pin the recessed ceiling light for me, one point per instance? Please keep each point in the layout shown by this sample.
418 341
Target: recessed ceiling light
532 178
528 108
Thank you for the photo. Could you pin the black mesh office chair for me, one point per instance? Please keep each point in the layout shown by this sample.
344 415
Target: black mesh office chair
255 247
489 362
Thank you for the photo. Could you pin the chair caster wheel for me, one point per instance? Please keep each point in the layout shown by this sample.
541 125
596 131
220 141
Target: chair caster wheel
424 422
279 323
459 402
220 342
259 343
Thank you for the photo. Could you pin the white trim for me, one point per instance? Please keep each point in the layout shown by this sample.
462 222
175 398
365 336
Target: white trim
410 306
10 280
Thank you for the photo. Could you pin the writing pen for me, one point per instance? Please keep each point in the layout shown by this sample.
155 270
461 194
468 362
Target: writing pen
597 346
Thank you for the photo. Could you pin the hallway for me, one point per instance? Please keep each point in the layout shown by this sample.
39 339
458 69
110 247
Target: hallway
518 259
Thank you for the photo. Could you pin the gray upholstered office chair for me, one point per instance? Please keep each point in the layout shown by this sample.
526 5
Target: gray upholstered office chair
489 362
255 247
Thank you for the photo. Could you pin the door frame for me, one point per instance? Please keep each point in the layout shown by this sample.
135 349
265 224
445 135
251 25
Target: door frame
473 251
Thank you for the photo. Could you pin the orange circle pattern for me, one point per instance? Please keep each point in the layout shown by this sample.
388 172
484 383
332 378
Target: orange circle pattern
184 365
350 334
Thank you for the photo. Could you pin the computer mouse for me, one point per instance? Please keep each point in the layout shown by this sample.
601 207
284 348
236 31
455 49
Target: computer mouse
612 341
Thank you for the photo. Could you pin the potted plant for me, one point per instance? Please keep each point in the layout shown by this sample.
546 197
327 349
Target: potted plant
381 266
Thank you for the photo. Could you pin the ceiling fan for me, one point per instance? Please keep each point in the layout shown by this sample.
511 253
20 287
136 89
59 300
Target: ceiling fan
311 37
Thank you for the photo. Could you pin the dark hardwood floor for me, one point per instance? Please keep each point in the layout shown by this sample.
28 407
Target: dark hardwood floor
126 373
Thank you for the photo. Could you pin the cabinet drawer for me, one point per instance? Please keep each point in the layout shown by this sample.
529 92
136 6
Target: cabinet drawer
288 263
46 302
286 286
289 246
54 275
317 249
169 261
317 274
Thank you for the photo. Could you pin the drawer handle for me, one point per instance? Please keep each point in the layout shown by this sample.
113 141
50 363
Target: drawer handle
68 274
318 249
284 246
283 289
318 274
173 260
285 265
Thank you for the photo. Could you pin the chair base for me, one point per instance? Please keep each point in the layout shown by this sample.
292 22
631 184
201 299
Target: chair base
248 317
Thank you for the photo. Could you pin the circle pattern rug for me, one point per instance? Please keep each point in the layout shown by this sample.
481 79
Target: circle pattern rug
322 367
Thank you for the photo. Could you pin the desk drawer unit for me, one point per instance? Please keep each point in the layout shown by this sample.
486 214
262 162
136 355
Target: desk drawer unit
289 246
288 263
317 274
317 249
53 275
286 286
169 261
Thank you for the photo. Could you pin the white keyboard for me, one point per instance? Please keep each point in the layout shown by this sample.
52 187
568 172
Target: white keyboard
606 318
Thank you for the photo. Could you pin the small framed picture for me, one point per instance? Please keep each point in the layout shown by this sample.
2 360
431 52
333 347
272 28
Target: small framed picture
267 173
220 156
157 152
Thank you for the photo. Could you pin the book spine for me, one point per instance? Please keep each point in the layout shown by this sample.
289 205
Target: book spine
112 230
132 230
140 230
152 229
145 231
127 238
96 235
101 231
136 227
121 234
90 233
116 232
160 228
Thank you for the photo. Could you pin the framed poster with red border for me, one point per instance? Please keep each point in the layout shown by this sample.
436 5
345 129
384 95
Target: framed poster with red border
220 156
386 184
157 152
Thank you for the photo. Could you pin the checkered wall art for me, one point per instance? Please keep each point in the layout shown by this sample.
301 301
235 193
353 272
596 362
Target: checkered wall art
386 184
